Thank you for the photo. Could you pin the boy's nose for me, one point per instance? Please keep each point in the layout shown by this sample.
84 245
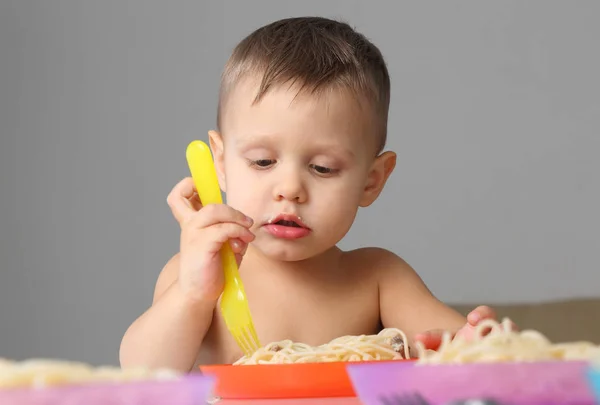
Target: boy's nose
290 189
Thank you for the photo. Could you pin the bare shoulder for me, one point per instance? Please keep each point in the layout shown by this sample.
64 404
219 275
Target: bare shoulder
167 277
378 261
405 302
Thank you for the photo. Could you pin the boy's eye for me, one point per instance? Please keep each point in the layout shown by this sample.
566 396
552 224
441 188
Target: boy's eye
322 169
262 163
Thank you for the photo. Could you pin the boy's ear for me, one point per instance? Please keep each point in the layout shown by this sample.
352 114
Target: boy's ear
380 171
216 145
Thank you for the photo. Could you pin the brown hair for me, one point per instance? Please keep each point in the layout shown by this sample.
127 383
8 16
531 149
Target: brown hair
317 53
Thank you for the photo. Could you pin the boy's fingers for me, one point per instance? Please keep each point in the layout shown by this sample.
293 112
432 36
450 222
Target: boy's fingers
238 259
219 213
479 314
187 208
239 256
431 339
222 233
185 188
195 202
178 199
237 246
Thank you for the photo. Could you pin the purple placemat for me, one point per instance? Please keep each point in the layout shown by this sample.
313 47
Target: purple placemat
544 383
188 390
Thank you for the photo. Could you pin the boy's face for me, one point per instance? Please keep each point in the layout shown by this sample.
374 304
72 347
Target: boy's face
299 165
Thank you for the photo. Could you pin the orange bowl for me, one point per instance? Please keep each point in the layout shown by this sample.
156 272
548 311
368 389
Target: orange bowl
270 381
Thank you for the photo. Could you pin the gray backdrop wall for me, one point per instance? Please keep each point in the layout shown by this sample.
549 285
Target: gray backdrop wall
495 116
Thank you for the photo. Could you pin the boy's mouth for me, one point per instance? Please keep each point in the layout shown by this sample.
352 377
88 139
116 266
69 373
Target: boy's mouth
283 222
287 226
289 220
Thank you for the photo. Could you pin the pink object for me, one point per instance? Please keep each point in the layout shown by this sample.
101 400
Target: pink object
189 390
543 383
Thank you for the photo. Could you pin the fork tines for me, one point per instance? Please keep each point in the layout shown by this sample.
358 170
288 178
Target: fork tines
403 399
417 399
247 339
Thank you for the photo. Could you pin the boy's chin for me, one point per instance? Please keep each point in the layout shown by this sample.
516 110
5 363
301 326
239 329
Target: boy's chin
290 253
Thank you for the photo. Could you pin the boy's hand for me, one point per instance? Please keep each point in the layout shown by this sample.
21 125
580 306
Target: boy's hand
204 230
432 339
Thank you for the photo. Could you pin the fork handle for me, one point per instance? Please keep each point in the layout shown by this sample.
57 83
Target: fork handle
229 263
203 172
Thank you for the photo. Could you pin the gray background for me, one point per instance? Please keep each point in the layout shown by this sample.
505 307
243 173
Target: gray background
495 116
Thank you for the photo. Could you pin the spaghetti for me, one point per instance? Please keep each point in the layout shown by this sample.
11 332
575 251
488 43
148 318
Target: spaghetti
503 344
493 342
41 373
389 344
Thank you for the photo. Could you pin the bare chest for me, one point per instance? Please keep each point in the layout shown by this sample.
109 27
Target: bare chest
309 315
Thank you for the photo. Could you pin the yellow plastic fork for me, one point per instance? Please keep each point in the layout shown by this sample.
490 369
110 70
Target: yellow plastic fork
234 304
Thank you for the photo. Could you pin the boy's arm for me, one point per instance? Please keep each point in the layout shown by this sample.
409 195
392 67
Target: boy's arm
406 303
170 332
